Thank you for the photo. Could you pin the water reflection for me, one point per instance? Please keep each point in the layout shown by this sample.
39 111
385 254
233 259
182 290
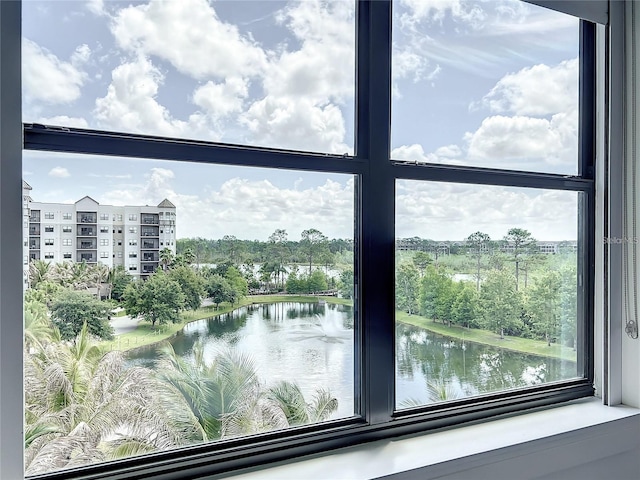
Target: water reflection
312 344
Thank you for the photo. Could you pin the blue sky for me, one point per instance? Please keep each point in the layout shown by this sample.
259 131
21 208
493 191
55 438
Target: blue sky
487 83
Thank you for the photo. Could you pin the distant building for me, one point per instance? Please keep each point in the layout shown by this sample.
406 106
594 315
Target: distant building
131 236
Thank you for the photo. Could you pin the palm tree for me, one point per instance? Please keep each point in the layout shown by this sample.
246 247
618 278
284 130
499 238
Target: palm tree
83 406
166 258
39 271
228 399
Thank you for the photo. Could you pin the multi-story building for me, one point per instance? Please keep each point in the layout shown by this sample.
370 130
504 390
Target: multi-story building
131 236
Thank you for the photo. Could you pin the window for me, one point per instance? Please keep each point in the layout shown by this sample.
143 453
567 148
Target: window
104 229
67 256
48 241
67 216
133 255
49 216
48 228
388 185
104 242
133 217
104 254
48 255
66 230
67 242
104 216
133 242
119 254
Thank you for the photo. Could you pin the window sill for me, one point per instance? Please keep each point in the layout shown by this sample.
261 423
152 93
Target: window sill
530 445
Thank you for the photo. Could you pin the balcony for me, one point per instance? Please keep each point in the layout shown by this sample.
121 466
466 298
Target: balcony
150 244
148 269
150 232
87 245
35 216
87 217
149 219
150 257
87 231
34 229
87 257
34 243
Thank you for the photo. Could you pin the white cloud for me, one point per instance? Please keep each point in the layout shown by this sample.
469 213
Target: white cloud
248 209
470 13
96 7
64 121
81 55
448 154
48 79
296 124
189 34
443 211
59 172
536 91
221 99
130 103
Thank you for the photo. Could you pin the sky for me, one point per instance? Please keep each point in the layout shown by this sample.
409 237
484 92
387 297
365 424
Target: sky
481 83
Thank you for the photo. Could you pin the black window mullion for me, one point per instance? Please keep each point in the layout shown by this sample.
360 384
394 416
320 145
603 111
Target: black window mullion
377 212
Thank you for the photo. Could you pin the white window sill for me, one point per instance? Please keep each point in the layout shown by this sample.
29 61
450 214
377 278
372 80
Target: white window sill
566 436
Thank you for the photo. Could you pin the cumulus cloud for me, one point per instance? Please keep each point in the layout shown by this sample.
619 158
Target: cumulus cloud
248 209
221 99
48 79
443 211
470 13
191 36
130 103
59 172
537 91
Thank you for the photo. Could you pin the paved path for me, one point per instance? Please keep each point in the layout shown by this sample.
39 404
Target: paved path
123 324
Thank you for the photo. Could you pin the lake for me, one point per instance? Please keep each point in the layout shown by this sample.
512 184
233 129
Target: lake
312 344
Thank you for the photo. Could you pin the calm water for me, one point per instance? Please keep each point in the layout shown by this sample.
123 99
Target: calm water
312 345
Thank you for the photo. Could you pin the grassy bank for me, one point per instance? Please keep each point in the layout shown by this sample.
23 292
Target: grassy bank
145 334
524 345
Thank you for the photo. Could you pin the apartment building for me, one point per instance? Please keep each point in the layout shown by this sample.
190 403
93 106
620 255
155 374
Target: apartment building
131 236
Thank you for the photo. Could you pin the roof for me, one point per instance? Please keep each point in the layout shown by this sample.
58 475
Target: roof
87 197
26 185
166 204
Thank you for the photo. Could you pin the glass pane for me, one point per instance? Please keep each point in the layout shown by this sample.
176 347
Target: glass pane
276 74
486 290
485 83
218 302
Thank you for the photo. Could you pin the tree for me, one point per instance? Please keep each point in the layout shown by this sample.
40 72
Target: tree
464 310
421 260
191 285
239 287
279 253
544 305
119 279
477 244
39 271
218 289
407 288
346 284
167 258
500 303
71 310
316 282
521 245
158 299
437 293
312 245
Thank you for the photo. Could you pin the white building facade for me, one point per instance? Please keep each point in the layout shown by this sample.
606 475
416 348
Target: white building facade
130 236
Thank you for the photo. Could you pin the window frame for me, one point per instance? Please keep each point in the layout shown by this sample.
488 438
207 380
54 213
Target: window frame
375 236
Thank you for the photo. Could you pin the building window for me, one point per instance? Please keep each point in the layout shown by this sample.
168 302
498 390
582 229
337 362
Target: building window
133 242
48 228
67 242
67 216
104 216
67 256
104 254
48 241
66 230
48 255
49 216
104 242
133 217
466 260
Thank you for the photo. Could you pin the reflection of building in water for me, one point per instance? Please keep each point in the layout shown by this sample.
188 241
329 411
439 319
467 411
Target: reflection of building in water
85 231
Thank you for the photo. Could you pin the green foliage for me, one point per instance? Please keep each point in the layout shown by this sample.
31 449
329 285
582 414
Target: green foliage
238 283
71 310
544 306
313 244
464 310
158 299
421 260
501 304
218 289
437 294
316 282
119 279
407 287
346 284
191 285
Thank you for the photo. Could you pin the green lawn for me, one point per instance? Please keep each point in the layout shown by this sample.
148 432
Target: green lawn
486 337
145 334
